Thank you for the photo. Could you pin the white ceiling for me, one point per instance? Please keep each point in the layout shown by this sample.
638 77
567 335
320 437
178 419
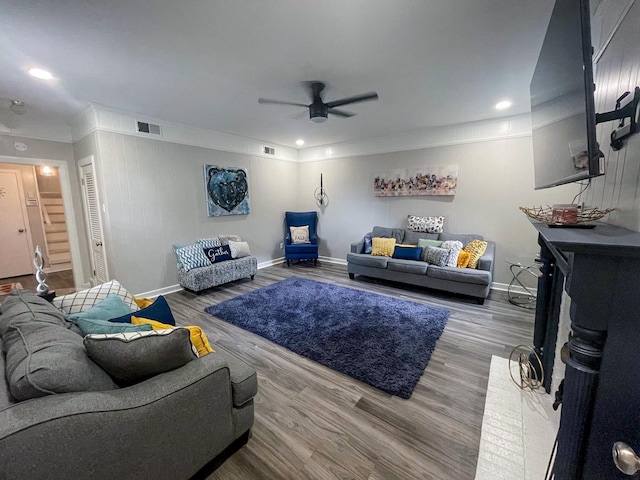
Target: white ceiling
205 63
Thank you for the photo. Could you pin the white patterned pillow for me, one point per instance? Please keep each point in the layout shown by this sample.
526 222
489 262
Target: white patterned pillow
454 246
225 239
239 249
85 299
192 256
300 234
425 224
209 242
438 256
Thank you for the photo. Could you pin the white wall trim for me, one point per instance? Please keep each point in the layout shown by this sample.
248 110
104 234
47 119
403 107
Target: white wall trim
337 261
160 291
482 131
70 215
98 117
270 263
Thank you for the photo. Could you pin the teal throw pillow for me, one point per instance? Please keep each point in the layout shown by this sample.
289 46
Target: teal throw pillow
92 325
159 311
111 307
426 243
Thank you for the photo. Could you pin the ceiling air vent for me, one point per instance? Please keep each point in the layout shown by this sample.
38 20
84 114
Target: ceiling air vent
144 127
269 150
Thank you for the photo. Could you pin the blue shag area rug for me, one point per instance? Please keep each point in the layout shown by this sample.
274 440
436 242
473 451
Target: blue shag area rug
376 339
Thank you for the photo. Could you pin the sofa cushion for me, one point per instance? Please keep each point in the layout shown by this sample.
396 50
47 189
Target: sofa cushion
382 246
407 252
476 249
415 237
85 299
384 232
133 357
462 275
239 249
438 256
43 356
425 224
407 266
110 307
159 311
367 260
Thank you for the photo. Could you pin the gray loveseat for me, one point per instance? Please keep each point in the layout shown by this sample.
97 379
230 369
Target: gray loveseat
466 281
168 426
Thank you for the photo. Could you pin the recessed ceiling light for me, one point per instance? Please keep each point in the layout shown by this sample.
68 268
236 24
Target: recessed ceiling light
299 142
503 105
39 73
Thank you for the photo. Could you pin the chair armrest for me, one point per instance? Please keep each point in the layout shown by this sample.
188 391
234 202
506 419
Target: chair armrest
487 259
68 435
313 238
287 239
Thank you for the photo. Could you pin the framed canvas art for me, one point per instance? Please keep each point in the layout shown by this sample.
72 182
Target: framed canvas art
431 180
227 190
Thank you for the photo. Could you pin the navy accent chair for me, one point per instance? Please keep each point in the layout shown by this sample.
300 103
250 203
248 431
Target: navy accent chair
301 251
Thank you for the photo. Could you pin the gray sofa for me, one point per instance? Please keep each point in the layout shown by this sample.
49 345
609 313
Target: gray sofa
466 281
169 426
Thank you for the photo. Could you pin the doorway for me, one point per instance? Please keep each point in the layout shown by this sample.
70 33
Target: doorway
15 231
78 261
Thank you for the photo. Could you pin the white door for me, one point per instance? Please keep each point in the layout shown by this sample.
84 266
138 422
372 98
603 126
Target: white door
94 224
15 241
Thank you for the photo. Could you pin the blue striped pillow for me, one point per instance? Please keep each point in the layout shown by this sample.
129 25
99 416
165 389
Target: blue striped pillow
192 256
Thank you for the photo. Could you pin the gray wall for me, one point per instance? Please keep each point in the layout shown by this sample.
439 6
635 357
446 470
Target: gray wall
618 70
154 196
494 179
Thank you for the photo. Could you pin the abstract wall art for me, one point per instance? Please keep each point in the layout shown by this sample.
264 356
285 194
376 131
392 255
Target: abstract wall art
227 190
431 180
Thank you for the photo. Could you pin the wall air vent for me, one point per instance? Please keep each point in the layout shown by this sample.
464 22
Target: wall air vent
269 150
150 128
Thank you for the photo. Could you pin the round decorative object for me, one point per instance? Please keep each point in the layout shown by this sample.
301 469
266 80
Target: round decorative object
320 195
545 214
529 368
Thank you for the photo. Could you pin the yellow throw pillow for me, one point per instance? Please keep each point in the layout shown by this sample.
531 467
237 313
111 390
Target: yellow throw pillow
463 259
196 335
383 247
142 302
476 249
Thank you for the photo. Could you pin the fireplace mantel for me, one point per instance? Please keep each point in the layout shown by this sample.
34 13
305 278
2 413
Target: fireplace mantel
600 271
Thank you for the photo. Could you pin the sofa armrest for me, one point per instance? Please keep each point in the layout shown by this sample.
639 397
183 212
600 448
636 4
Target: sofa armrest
123 433
357 247
487 259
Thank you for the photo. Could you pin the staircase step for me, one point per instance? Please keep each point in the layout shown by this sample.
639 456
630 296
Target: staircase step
53 209
53 237
53 195
58 247
55 258
57 218
51 201
55 227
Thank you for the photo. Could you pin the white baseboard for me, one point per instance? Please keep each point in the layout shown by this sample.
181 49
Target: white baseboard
504 287
337 261
270 263
160 291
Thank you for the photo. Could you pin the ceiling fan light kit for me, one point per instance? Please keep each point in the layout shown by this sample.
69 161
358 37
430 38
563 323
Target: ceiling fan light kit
318 110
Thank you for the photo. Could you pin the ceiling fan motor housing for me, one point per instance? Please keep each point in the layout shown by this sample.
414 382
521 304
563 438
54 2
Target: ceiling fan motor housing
318 112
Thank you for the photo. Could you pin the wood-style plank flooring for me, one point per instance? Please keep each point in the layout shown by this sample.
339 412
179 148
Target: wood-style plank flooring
314 423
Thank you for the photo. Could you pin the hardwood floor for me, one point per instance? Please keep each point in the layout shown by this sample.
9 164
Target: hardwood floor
61 282
314 423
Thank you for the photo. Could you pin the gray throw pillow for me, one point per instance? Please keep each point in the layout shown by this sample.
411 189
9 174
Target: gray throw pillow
438 256
132 357
43 355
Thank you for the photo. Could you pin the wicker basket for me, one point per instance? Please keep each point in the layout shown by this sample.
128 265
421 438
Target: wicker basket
544 214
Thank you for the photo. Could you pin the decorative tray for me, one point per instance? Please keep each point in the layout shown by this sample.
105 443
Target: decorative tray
545 214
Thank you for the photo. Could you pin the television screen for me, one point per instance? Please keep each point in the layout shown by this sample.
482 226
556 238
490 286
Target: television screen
562 104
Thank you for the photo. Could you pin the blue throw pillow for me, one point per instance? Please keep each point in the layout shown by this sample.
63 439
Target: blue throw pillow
92 325
407 253
367 245
111 307
159 311
218 254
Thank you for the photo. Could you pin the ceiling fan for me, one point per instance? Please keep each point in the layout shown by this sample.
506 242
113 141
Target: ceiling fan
319 110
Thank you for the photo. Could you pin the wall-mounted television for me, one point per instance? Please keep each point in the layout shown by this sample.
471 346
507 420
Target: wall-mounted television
562 100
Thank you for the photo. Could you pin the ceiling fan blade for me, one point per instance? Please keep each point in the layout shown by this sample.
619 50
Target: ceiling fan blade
341 113
281 102
357 98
